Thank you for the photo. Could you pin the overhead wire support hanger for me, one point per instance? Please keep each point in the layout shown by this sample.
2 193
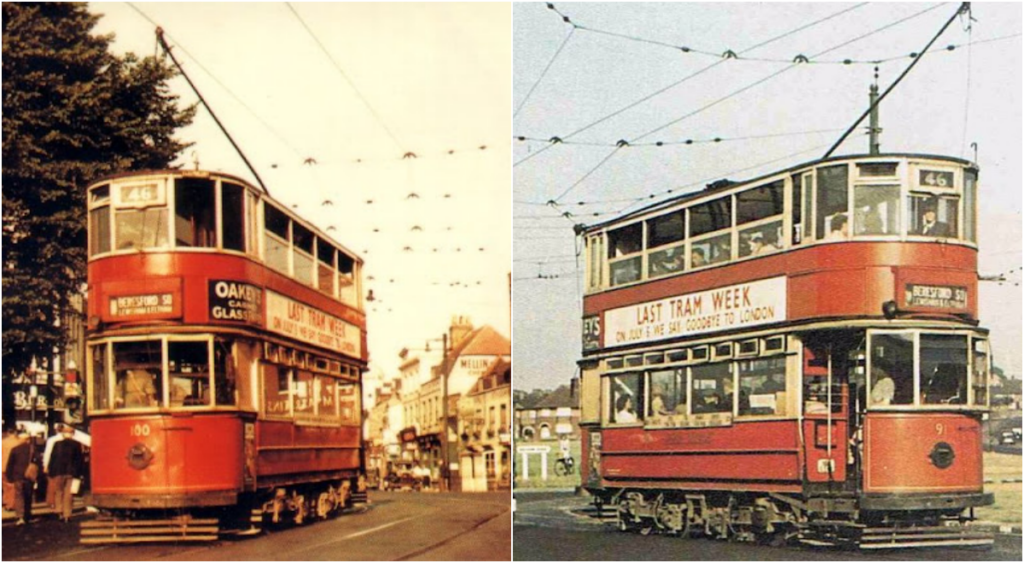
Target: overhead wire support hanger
167 50
964 7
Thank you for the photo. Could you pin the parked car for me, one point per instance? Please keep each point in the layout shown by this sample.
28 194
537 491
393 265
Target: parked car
1009 437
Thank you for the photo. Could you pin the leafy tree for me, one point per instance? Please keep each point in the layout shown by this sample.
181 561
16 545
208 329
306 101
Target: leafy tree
73 112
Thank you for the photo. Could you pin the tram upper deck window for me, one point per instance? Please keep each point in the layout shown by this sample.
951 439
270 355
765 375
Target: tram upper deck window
233 216
138 373
140 217
832 185
99 220
708 218
712 388
325 267
970 204
623 244
891 381
932 215
762 386
943 369
760 204
275 242
663 231
876 210
195 224
348 292
626 393
668 392
188 369
302 243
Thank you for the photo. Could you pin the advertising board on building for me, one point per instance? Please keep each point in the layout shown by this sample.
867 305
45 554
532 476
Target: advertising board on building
726 308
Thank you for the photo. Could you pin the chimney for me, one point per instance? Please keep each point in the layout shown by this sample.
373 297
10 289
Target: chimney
460 329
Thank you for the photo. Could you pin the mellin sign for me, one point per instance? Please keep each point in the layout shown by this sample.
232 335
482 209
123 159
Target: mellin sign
735 306
235 301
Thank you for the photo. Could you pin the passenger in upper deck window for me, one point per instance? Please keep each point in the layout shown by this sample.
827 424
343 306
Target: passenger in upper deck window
697 258
930 225
840 227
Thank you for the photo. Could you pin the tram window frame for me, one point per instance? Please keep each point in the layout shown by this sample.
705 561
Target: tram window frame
939 349
277 227
303 262
709 216
225 372
765 201
723 389
700 353
879 365
885 210
349 403
722 351
99 384
303 395
714 249
326 269
970 202
200 391
666 251
773 371
635 393
153 391
101 227
595 261
234 216
625 254
195 213
680 355
980 350
796 217
832 198
773 344
677 396
348 280
277 380
919 202
134 212
808 184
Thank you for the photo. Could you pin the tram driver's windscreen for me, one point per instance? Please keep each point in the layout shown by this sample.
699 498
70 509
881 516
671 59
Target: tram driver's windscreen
892 369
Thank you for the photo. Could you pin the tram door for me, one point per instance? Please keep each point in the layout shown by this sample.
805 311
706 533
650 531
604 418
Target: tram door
826 411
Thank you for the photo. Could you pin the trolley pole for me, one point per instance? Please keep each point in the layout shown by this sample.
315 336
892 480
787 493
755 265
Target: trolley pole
873 129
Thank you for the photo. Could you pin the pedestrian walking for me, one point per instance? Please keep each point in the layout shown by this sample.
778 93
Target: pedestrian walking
58 435
65 466
22 471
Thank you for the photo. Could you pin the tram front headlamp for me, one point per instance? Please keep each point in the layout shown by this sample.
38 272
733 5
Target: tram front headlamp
889 309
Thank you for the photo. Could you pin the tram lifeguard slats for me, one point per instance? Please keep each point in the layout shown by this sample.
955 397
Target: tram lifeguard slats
110 530
923 536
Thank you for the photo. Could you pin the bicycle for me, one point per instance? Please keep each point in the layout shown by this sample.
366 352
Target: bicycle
565 466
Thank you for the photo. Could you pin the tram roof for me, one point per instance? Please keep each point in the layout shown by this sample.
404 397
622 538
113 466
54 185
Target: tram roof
706 191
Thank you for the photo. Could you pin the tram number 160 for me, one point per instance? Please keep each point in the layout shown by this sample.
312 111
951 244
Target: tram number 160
139 430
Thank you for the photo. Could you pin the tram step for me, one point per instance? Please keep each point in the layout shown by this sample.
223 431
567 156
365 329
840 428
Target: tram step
930 543
101 522
170 531
146 539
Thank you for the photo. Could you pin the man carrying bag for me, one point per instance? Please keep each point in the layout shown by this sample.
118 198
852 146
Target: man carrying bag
22 471
65 466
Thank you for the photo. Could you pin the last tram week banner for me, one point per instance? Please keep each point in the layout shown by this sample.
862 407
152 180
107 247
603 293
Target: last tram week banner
725 308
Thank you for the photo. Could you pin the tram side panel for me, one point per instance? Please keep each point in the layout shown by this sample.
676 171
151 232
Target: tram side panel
166 462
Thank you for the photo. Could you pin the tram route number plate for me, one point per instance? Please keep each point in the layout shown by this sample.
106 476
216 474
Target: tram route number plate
936 296
133 305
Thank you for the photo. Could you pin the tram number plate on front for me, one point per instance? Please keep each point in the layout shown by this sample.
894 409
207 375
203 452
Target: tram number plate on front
137 430
936 179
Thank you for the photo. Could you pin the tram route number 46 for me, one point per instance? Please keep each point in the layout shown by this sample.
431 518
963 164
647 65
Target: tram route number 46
139 430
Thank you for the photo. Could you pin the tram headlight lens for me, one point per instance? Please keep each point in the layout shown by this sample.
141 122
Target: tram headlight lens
889 309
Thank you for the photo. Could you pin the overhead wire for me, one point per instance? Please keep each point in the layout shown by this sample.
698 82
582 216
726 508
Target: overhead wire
543 73
712 140
345 76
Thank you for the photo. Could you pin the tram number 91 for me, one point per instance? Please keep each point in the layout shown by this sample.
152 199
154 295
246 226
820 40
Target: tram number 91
137 430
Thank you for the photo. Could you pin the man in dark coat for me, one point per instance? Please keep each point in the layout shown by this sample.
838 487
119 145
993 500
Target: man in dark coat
17 464
65 466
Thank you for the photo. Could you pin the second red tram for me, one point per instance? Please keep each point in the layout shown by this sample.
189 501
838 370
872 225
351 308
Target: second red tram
226 346
795 356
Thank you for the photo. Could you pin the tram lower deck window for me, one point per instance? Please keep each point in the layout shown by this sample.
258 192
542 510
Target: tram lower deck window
188 366
712 388
626 394
137 369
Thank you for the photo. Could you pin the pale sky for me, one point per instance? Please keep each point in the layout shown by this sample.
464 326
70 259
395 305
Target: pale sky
951 99
436 237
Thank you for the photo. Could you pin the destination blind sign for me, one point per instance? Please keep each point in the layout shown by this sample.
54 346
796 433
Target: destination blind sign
730 307
936 296
235 301
136 305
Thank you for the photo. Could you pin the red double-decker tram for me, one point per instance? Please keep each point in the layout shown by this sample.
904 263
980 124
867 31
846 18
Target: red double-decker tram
226 346
794 356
